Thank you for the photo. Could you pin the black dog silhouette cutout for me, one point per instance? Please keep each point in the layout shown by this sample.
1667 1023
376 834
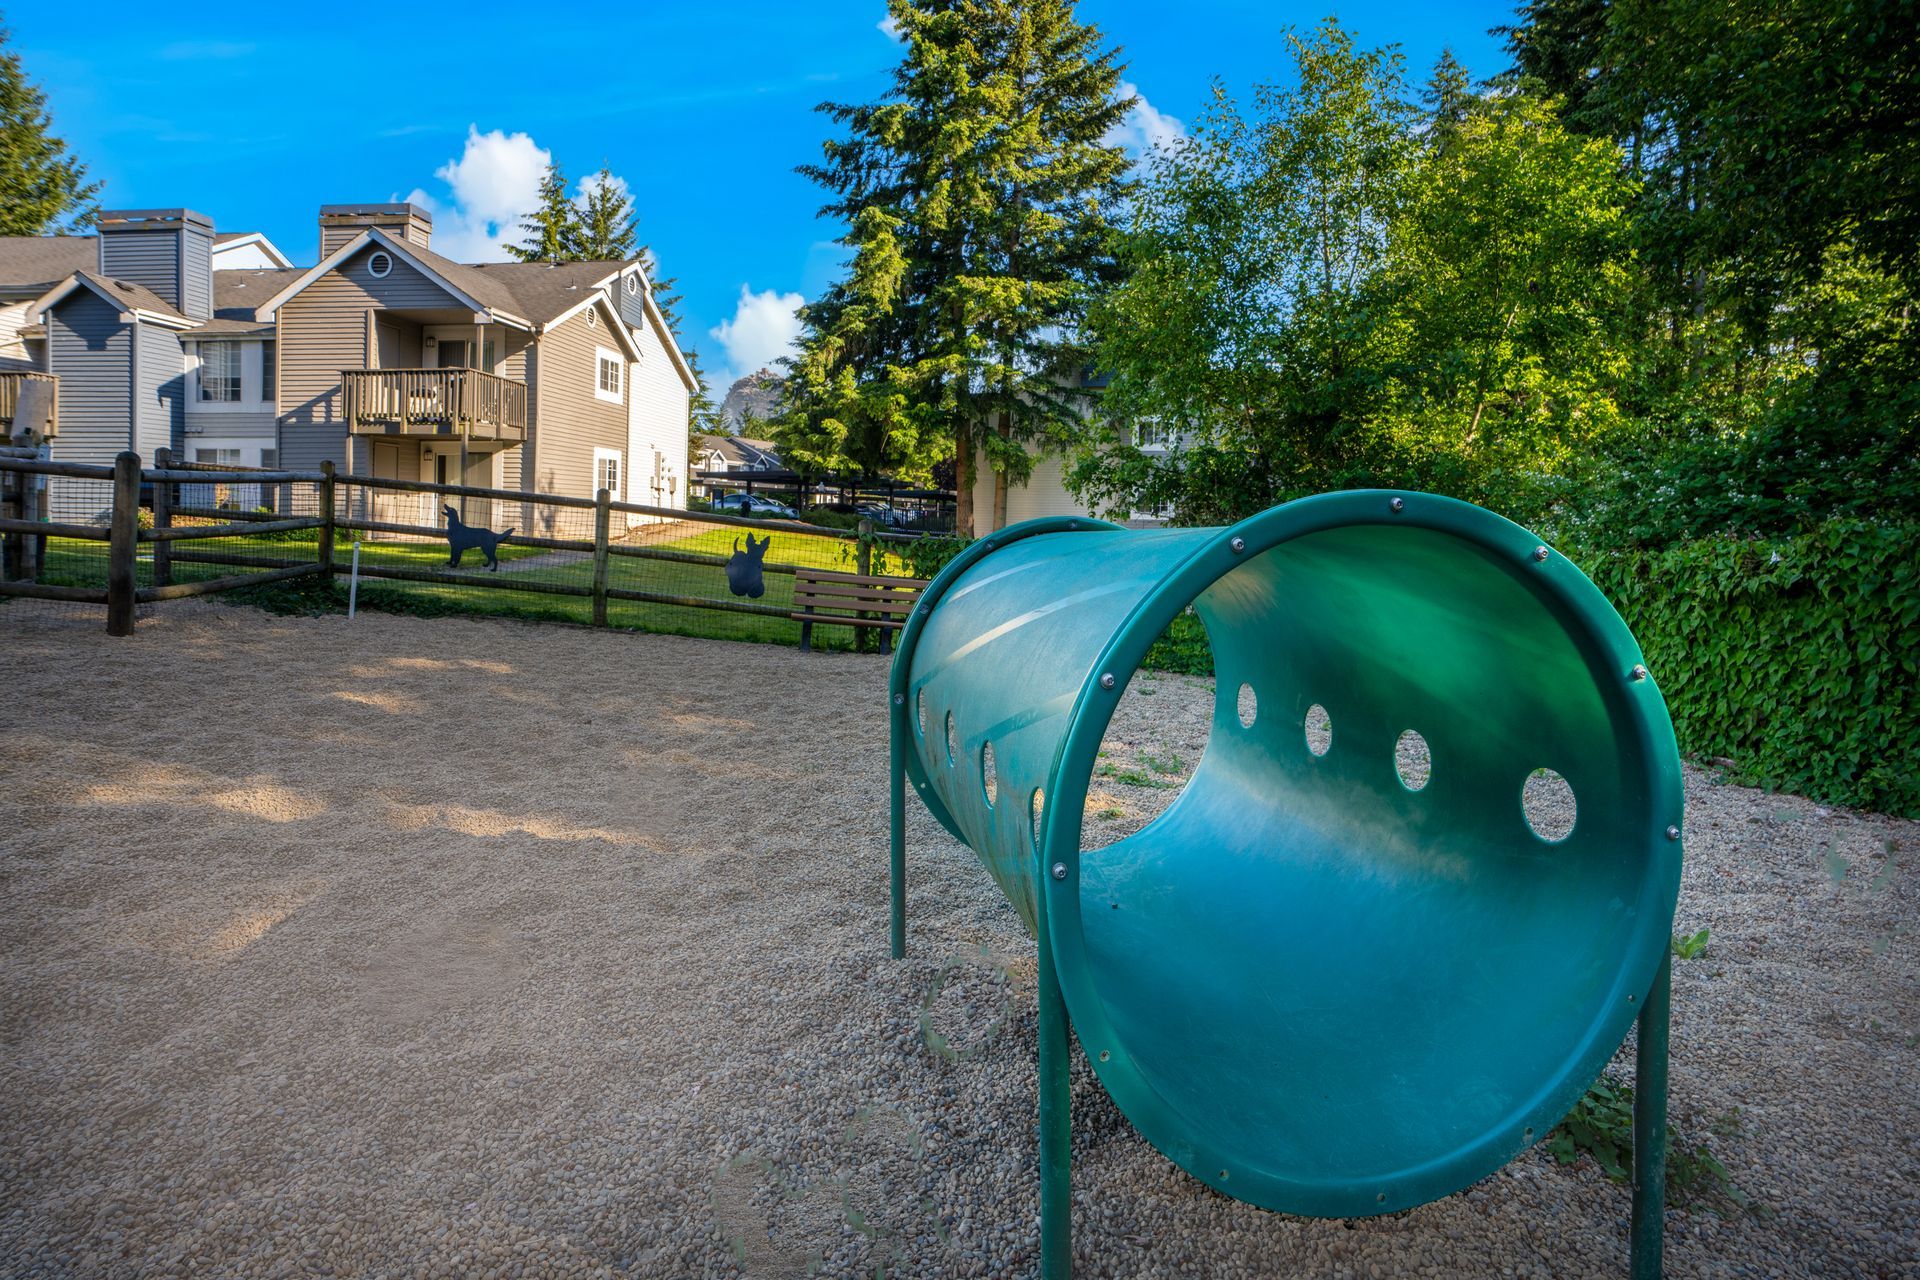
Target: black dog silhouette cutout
744 577
461 536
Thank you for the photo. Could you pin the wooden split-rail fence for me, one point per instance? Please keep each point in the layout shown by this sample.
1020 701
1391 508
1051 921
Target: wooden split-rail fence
188 528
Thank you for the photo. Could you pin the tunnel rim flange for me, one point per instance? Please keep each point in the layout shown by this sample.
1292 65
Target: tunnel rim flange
1069 779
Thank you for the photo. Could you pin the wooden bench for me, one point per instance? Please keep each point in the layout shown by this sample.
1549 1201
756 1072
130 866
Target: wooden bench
853 600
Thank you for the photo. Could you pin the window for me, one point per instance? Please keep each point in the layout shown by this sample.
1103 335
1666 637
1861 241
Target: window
606 471
266 371
220 372
611 369
269 458
380 263
218 457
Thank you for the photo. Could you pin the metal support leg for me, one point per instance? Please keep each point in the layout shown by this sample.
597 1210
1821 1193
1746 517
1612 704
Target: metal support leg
1650 1128
897 862
1056 1131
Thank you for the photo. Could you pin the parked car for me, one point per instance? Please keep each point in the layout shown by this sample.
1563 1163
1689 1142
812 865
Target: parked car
754 504
892 517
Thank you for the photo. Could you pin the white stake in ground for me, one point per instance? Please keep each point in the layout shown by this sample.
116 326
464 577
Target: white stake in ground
353 581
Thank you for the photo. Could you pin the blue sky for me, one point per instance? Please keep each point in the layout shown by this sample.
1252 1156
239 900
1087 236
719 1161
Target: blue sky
257 115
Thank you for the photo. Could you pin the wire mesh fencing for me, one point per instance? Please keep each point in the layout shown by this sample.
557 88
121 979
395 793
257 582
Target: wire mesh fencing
431 549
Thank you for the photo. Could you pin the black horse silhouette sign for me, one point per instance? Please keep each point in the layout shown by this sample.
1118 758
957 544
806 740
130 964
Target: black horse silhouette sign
744 577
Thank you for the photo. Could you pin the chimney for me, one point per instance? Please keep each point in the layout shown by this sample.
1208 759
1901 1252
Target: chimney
340 223
170 251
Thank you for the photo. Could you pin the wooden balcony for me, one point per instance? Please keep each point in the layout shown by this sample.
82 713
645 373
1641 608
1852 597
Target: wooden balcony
13 383
434 402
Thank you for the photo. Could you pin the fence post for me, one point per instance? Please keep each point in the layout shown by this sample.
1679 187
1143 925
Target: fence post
123 541
13 506
602 520
863 560
162 518
326 516
34 556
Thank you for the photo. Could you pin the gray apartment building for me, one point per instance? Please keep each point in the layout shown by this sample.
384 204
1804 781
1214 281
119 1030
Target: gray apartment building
384 357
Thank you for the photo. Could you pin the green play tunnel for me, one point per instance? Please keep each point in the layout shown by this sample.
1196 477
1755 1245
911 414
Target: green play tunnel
1310 985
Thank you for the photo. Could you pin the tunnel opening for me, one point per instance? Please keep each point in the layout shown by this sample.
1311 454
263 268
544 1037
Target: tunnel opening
1348 907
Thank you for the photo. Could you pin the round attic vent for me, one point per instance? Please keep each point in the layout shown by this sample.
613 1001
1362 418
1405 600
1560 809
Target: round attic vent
633 284
592 319
380 263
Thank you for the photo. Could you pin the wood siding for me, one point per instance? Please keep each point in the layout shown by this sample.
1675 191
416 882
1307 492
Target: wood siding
322 330
1043 494
150 258
92 352
567 421
196 297
160 396
657 424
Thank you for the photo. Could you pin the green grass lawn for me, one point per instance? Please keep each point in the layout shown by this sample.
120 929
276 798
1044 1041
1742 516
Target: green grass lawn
74 562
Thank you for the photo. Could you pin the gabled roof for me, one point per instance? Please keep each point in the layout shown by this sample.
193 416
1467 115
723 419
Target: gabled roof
528 295
549 291
753 455
135 301
30 265
226 241
237 296
464 283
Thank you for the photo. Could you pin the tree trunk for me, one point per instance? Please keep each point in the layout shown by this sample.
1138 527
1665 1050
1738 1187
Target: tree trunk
1000 479
963 480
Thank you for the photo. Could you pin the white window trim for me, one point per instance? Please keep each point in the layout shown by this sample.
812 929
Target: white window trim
251 400
603 455
620 363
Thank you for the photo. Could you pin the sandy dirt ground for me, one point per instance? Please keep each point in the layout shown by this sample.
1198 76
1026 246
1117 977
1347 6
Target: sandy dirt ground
465 948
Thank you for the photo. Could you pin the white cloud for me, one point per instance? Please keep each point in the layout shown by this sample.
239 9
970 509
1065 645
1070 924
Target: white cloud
1146 129
889 26
764 328
491 187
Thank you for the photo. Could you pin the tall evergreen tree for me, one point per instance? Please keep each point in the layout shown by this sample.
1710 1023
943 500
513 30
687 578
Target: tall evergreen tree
42 188
604 227
977 196
553 229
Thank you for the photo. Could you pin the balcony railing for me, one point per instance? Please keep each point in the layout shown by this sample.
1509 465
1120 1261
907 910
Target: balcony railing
13 383
433 402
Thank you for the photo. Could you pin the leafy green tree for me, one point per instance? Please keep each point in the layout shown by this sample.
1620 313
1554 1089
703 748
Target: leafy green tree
42 188
603 228
1506 335
977 196
1778 231
553 228
1244 330
1341 291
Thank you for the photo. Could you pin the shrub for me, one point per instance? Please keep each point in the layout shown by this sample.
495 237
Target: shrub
1794 658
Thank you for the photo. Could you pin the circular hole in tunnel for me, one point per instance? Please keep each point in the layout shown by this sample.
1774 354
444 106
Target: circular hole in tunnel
1319 730
1150 749
1547 802
921 702
1036 812
952 740
989 781
1249 706
1412 760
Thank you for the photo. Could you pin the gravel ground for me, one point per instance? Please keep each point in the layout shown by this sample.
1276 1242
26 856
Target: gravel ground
436 948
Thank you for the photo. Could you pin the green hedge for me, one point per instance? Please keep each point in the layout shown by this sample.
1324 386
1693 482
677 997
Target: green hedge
1796 658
